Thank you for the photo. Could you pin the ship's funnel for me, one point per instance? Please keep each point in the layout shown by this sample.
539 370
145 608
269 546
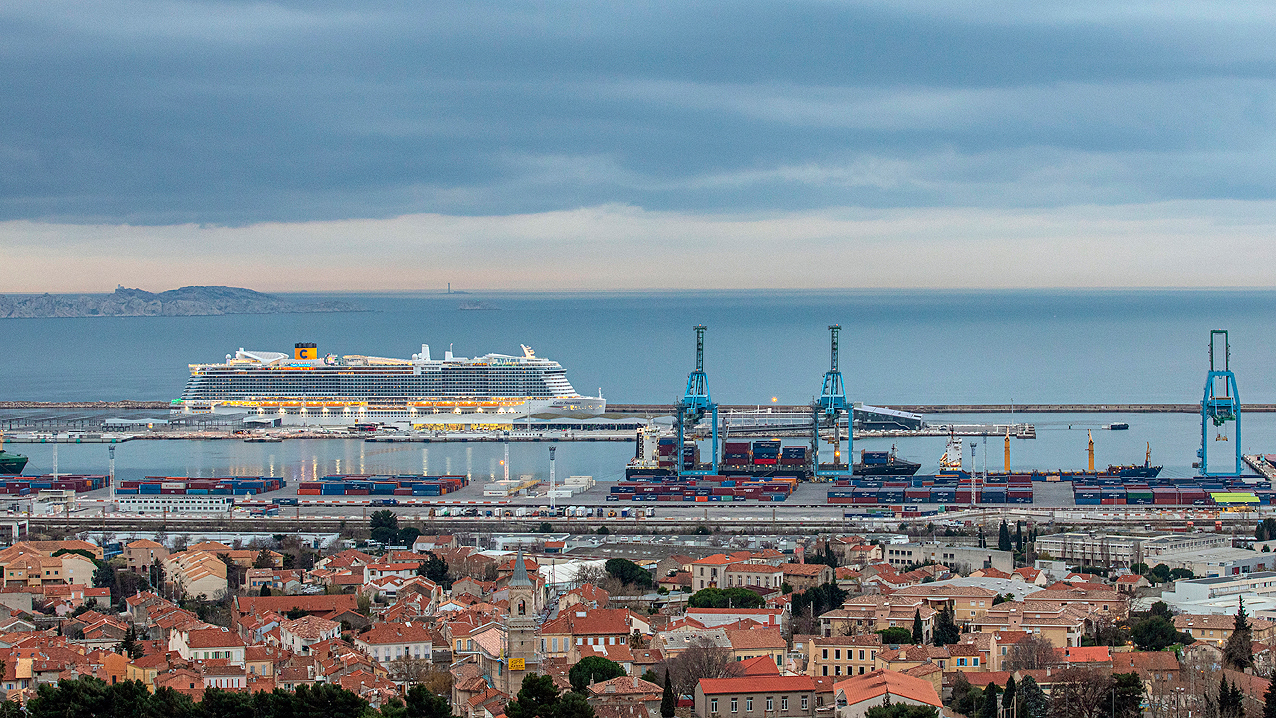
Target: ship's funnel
305 350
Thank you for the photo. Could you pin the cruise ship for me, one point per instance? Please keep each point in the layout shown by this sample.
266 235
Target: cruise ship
306 389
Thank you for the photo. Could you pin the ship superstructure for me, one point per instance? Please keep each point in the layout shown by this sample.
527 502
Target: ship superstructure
343 390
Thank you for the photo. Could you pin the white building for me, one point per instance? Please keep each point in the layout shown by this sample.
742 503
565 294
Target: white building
300 634
208 644
174 503
386 642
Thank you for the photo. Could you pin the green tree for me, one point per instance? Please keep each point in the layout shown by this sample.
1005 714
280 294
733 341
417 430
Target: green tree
545 527
818 599
1266 530
218 703
436 569
537 698
964 697
407 535
1229 703
1156 634
422 703
1139 568
1003 537
946 631
1238 653
603 531
384 525
628 572
901 710
573 705
669 702
1159 573
264 559
384 518
724 598
265 589
989 705
895 635
1269 700
129 647
1127 695
1162 609
918 635
1008 697
593 669
1032 700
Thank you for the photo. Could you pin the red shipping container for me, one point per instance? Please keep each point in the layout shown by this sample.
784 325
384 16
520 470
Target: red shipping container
358 492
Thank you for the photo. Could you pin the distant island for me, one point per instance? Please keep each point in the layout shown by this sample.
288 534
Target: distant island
183 302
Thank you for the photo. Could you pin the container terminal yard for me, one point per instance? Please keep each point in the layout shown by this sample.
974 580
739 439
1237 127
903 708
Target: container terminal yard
733 461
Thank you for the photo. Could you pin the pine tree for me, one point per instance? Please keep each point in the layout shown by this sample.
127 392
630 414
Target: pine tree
946 631
1032 699
918 636
1008 696
1269 700
668 703
1019 536
1238 654
1003 536
989 706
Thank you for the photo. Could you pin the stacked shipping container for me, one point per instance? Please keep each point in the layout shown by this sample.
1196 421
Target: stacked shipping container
368 485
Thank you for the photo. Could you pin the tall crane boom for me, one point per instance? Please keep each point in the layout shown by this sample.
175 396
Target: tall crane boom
694 405
831 406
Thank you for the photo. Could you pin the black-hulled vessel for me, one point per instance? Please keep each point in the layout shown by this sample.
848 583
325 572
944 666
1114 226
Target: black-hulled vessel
884 463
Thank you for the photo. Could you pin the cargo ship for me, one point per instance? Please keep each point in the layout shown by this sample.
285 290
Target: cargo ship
490 391
950 464
884 463
10 464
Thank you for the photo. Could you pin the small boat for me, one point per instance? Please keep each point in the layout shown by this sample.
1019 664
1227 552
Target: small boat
263 440
1118 426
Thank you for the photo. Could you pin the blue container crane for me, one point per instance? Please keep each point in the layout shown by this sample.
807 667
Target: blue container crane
1220 405
693 407
828 411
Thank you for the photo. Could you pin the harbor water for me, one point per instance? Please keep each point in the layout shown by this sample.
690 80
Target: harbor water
898 347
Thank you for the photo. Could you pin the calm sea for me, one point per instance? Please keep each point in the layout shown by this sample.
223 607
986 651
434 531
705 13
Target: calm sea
897 347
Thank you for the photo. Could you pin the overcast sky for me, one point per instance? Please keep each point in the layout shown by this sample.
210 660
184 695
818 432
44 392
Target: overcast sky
532 144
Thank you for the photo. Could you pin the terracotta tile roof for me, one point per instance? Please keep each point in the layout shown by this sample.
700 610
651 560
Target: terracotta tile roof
309 627
802 569
213 638
1087 654
879 682
625 685
311 604
759 666
756 639
391 633
1145 661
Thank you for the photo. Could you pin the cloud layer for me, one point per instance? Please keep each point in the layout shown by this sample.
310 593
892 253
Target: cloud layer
1189 244
765 120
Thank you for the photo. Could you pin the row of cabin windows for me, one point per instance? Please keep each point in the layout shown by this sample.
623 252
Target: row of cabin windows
748 704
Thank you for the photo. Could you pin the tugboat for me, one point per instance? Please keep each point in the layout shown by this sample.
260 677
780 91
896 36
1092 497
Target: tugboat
11 464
